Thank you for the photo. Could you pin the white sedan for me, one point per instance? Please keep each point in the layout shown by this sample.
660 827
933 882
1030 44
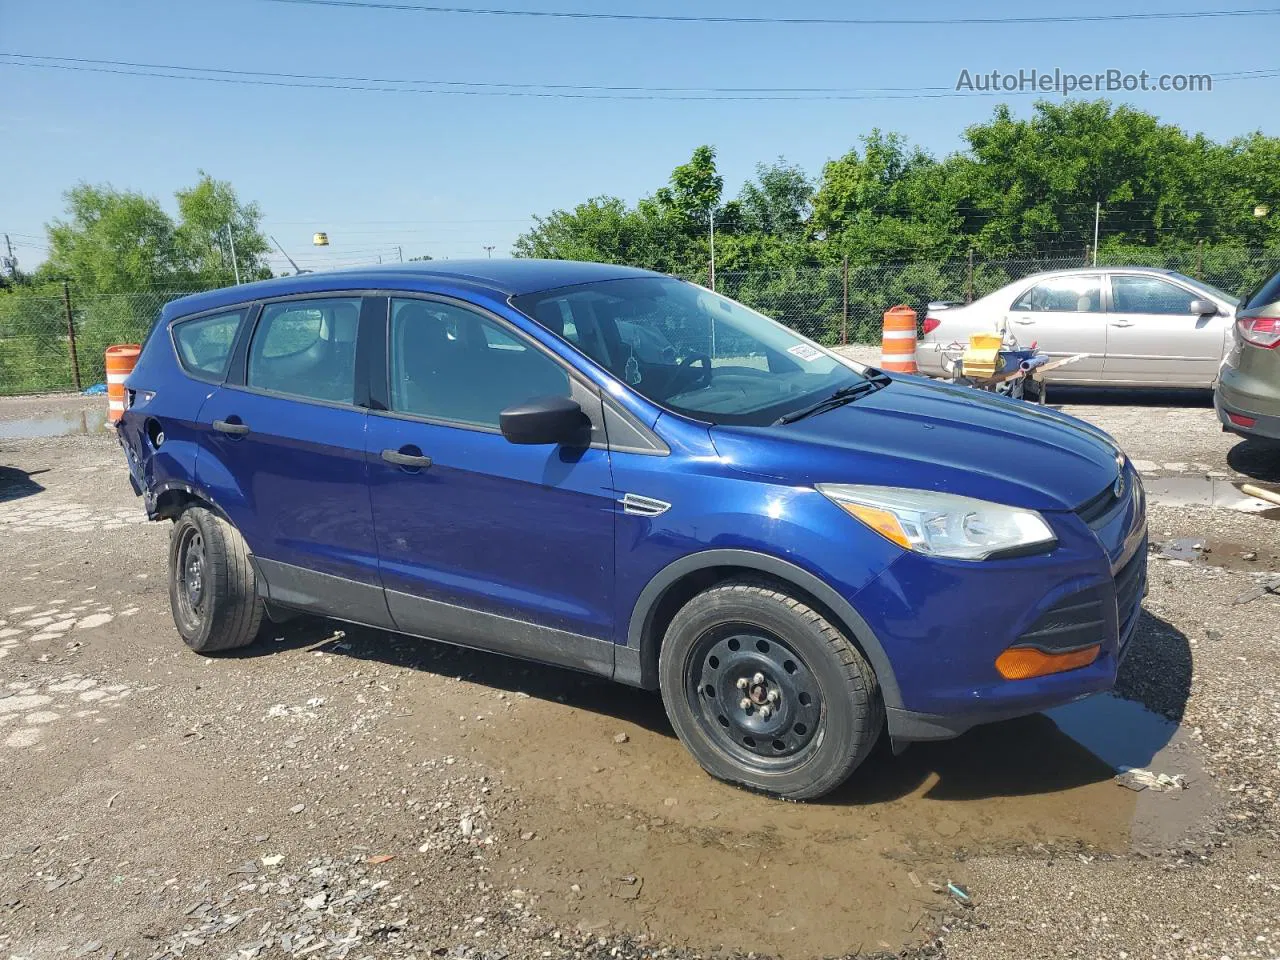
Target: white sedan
1138 326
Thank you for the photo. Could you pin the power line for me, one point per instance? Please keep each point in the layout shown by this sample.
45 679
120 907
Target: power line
803 21
481 88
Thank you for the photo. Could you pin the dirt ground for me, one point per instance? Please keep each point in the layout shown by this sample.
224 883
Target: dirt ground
334 792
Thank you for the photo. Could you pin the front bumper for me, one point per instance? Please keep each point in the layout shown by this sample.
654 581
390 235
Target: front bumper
942 623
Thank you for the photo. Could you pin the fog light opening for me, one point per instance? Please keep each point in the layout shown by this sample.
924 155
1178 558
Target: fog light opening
1023 663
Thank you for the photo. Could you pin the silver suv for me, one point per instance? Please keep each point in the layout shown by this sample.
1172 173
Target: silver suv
1247 397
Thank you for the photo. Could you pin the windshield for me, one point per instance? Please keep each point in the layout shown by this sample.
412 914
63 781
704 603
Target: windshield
690 350
1234 301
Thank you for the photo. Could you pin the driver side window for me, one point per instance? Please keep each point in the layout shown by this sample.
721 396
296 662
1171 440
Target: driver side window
449 363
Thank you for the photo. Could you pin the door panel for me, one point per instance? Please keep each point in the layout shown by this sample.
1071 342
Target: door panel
1063 317
284 456
492 544
1153 338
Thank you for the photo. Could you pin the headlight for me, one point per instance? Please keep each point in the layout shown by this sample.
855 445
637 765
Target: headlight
942 524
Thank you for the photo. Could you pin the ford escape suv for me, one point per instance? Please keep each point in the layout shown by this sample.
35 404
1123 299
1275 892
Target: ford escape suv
624 473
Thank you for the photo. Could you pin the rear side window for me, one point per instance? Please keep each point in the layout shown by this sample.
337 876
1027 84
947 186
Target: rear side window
306 348
204 344
1070 294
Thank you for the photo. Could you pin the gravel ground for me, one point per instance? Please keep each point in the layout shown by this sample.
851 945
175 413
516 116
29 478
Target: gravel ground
336 792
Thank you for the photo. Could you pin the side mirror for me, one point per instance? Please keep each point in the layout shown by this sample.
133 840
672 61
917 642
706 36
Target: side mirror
1204 308
546 420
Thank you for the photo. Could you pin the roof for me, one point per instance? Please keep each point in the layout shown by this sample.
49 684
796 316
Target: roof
502 278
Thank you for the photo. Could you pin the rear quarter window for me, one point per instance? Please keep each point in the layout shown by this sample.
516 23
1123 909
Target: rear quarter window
1265 295
204 344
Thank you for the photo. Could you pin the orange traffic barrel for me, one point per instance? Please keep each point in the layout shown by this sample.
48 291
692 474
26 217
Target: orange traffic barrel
898 346
121 359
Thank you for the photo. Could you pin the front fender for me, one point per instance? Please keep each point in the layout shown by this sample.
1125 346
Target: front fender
637 663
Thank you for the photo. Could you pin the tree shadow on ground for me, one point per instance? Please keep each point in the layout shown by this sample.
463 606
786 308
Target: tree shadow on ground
16 484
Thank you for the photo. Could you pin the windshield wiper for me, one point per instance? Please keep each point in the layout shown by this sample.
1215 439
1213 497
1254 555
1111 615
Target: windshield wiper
838 399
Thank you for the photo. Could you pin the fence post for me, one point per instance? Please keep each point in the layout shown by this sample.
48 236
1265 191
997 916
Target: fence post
844 321
1086 254
71 334
1200 259
968 286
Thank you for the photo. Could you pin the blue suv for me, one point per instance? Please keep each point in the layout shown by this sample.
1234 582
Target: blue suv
624 473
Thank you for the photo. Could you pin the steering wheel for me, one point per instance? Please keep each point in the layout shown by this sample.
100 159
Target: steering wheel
703 377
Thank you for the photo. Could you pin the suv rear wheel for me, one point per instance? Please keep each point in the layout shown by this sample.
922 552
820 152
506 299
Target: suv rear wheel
767 693
212 585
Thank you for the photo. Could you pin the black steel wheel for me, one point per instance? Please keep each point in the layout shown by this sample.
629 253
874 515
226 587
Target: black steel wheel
190 572
212 586
754 695
765 692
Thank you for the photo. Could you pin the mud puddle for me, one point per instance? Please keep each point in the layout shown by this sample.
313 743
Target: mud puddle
1128 737
629 834
69 423
1199 491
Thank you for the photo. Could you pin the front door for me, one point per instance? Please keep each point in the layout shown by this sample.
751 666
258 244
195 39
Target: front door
283 455
1063 316
481 541
1154 338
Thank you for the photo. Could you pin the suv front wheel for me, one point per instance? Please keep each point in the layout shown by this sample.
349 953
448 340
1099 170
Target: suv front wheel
212 585
765 692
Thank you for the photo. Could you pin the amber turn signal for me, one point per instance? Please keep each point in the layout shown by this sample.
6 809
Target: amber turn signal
1022 663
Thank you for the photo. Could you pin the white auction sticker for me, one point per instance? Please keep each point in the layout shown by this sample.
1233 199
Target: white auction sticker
805 352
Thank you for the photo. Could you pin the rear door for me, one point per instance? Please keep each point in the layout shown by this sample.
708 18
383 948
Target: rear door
284 456
1063 316
1154 338
481 541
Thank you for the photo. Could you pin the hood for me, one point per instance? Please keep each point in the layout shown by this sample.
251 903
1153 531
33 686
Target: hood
933 436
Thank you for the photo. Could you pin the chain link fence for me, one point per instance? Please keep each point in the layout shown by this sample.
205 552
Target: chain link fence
845 303
42 329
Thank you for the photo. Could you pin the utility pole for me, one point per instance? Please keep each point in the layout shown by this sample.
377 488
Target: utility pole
711 217
231 241
400 253
11 261
488 248
71 335
1097 215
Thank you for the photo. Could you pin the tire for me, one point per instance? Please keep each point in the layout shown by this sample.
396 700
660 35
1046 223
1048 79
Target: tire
212 585
827 714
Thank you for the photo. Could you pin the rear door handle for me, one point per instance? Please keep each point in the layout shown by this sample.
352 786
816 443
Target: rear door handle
235 429
1023 321
1121 323
402 459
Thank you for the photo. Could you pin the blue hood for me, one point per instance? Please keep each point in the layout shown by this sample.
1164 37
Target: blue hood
933 436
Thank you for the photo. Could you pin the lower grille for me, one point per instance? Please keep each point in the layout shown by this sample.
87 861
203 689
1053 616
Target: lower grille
1130 581
1073 622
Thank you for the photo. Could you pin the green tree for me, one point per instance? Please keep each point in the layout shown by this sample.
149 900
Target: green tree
112 241
212 222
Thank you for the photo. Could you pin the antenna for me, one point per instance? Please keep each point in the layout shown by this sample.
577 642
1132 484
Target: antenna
296 269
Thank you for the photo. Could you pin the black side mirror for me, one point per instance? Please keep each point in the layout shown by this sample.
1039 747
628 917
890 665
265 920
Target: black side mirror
546 420
1204 308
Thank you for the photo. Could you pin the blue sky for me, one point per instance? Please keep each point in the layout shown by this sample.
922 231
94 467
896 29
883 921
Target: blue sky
447 174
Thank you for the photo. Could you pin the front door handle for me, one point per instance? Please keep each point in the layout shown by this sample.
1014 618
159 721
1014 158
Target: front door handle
1121 323
235 429
403 459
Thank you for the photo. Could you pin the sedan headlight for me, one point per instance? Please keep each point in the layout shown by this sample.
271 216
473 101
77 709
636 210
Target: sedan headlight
942 524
